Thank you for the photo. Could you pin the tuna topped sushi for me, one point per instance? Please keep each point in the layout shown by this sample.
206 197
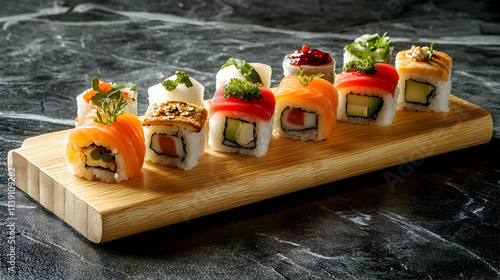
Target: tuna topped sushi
253 73
93 97
424 82
107 144
180 87
240 118
367 93
306 108
369 45
174 133
309 62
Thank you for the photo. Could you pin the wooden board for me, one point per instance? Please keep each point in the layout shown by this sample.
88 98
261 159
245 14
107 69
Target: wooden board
162 195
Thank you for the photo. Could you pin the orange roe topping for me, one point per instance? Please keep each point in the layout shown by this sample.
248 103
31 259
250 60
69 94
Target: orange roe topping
88 95
104 86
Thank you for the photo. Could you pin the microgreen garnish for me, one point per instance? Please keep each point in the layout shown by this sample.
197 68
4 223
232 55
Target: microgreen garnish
365 65
109 110
431 48
182 78
241 89
245 69
305 79
114 93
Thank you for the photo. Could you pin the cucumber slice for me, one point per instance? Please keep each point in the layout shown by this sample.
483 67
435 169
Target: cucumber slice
417 92
232 129
240 134
363 106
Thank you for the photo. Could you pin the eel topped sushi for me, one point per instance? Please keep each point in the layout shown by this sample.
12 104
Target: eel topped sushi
369 45
92 97
174 133
424 82
107 144
368 93
306 108
240 118
254 73
174 122
180 87
309 62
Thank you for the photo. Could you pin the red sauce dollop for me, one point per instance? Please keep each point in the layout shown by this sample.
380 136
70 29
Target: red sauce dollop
306 56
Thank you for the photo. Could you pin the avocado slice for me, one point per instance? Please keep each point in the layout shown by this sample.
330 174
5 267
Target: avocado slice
417 92
232 129
363 106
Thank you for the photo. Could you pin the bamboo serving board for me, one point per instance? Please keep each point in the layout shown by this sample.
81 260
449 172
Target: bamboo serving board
163 195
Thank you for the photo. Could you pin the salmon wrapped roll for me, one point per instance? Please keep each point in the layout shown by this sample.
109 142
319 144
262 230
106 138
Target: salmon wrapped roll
306 108
107 144
368 92
424 82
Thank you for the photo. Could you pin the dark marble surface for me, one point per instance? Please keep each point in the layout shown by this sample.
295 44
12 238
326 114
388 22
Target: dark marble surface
441 221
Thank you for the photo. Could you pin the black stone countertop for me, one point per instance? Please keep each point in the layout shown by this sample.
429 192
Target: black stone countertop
441 221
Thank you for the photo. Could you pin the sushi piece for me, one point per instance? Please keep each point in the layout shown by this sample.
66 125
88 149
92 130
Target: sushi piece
174 133
178 87
107 144
424 82
306 108
93 97
379 48
241 118
309 62
254 73
368 93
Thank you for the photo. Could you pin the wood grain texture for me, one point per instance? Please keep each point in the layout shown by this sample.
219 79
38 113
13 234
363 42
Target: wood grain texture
162 195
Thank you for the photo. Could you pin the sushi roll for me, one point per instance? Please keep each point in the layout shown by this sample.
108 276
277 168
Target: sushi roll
107 144
379 48
241 118
424 82
368 93
174 133
254 73
306 108
309 62
178 87
100 90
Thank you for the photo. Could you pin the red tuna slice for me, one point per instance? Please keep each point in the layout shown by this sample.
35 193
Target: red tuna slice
386 79
261 108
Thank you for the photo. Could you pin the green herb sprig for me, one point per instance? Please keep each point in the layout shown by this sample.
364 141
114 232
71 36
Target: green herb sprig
364 65
182 78
245 69
114 93
431 49
371 45
241 89
109 110
305 79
